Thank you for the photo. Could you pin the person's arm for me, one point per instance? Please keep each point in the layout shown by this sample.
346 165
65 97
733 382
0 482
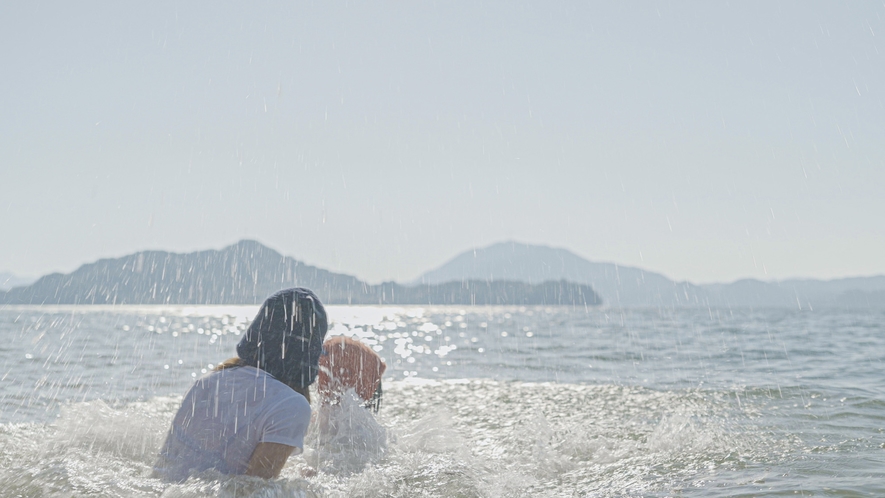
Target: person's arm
268 459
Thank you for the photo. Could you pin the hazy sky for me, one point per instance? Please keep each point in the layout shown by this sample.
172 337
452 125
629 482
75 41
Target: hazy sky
708 141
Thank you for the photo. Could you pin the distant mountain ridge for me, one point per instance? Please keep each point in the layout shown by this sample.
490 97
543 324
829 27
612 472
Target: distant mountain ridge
617 285
9 281
247 272
801 293
627 286
503 273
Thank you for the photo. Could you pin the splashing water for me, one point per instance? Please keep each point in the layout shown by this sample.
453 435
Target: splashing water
567 403
345 437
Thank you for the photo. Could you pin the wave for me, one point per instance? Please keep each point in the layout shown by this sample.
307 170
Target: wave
432 438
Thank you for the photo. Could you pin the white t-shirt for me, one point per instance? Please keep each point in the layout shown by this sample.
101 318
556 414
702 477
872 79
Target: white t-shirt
224 416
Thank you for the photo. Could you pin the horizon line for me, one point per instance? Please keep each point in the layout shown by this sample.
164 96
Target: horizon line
412 281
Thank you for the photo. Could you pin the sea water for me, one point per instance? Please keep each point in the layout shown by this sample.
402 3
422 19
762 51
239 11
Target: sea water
478 401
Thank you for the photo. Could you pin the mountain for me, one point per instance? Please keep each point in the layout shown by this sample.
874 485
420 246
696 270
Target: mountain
627 286
504 273
617 285
484 292
247 272
853 291
8 281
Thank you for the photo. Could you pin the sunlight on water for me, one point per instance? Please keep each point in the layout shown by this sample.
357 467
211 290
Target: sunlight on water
566 403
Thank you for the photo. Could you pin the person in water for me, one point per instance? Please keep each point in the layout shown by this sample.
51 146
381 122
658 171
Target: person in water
345 436
350 364
251 413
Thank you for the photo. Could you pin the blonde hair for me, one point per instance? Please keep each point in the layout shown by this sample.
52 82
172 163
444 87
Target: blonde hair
238 362
229 363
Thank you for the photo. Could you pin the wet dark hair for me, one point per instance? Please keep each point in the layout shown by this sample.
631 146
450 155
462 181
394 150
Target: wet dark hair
286 337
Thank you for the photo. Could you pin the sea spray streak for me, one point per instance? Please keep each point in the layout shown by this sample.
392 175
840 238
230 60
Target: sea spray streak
489 402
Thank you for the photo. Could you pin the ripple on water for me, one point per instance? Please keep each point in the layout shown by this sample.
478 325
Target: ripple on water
646 403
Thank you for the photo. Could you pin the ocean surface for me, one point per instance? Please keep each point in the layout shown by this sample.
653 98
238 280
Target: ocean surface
478 402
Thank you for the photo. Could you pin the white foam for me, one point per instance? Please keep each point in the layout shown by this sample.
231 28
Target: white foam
344 437
221 486
134 431
463 438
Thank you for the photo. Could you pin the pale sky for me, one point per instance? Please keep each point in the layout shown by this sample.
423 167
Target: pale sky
708 141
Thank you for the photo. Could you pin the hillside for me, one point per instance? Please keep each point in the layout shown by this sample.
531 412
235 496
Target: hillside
617 285
627 286
247 272
504 273
844 292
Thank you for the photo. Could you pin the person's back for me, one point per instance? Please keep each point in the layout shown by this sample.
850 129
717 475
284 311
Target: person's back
250 414
223 418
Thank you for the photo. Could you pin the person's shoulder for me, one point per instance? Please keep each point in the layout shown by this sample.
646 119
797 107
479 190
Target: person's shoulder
249 378
271 388
289 401
276 390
